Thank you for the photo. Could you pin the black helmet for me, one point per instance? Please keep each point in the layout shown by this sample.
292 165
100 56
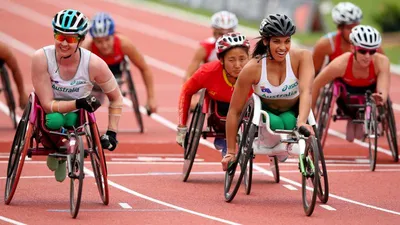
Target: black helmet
277 25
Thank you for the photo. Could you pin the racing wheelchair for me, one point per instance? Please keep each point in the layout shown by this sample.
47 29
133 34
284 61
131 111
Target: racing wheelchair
377 120
215 127
8 95
32 138
254 137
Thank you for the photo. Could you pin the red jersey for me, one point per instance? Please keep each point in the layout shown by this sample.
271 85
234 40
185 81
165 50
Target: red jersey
210 76
350 80
209 45
113 59
338 50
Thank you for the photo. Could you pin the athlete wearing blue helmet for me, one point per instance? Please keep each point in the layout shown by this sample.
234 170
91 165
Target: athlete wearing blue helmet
102 25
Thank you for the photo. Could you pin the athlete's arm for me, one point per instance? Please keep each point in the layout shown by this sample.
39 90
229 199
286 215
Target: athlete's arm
306 77
321 49
101 74
189 88
383 77
138 60
329 73
198 58
11 62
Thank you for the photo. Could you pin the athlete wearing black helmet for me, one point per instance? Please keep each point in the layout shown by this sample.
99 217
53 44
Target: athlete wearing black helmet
281 76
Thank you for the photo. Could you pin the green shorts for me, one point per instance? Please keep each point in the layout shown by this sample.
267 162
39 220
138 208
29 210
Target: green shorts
281 120
55 121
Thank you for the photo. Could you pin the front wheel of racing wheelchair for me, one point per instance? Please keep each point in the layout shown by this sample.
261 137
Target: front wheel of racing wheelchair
248 131
8 95
31 131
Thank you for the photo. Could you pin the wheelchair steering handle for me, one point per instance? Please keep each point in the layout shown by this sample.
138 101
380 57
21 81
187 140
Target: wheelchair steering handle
304 131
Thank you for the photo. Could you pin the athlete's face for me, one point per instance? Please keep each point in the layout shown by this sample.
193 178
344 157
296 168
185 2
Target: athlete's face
279 47
65 44
364 56
104 44
234 61
346 30
219 32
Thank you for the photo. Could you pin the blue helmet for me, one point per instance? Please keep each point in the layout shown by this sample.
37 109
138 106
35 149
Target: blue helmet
102 25
70 21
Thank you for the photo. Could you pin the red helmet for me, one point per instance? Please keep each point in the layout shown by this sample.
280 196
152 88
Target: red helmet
229 40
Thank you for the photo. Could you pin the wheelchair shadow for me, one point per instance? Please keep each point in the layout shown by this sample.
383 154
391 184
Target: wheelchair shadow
8 129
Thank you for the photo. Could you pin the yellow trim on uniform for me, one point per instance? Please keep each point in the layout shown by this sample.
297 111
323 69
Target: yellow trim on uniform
226 79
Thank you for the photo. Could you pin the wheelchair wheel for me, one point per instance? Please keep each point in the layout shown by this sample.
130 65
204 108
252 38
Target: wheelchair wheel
274 167
310 177
19 148
246 134
98 161
324 114
5 80
371 121
193 139
323 187
391 131
135 101
76 173
248 175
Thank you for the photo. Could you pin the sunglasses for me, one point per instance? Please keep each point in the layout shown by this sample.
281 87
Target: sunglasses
70 39
364 51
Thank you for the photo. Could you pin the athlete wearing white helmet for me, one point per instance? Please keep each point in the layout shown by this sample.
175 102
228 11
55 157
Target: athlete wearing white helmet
360 70
63 75
345 15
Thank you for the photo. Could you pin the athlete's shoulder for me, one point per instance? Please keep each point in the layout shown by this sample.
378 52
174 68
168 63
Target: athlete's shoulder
208 41
211 67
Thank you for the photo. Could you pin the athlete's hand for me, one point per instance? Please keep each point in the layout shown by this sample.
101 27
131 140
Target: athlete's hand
378 98
90 103
181 136
109 140
23 100
309 128
229 157
151 106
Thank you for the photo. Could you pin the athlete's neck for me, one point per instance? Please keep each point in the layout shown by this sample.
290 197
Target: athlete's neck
68 60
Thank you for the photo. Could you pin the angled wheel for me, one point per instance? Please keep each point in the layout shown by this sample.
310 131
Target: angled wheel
323 186
19 148
237 168
5 80
248 175
135 101
391 131
310 177
371 127
76 175
193 137
325 113
274 167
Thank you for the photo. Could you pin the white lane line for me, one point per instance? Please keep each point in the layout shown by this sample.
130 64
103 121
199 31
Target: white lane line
125 205
8 220
328 207
290 187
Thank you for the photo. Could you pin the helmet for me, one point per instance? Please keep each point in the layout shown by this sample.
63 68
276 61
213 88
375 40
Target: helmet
346 13
69 21
102 25
224 20
230 40
365 37
277 25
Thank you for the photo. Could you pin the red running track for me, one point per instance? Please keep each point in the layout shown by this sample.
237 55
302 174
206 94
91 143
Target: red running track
144 172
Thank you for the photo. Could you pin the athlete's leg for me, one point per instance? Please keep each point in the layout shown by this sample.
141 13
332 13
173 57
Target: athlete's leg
289 119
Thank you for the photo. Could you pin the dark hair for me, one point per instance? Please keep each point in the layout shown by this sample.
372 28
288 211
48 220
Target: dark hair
260 48
222 54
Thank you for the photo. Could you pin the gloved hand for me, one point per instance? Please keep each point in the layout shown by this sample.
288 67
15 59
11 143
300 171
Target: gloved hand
109 140
181 136
90 103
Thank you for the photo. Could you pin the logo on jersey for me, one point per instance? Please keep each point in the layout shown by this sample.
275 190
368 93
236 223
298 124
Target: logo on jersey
264 89
288 87
65 89
54 81
78 82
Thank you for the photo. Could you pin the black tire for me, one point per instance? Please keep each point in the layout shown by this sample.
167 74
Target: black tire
193 138
372 124
19 148
274 167
76 173
391 131
135 101
324 114
5 80
99 165
311 176
246 134
248 175
323 187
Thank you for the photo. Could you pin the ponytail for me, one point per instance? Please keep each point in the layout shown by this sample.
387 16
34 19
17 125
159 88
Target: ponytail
260 48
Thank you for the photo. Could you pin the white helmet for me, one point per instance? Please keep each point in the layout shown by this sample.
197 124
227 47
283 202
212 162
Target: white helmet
224 20
365 37
230 40
346 13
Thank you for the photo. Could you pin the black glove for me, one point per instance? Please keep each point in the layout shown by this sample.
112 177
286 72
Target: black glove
109 140
90 103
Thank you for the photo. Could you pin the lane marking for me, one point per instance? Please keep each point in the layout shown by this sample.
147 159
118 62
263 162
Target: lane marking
290 187
114 210
125 205
153 159
8 220
328 207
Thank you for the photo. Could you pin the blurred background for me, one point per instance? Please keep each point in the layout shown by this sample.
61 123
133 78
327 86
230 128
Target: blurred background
312 17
